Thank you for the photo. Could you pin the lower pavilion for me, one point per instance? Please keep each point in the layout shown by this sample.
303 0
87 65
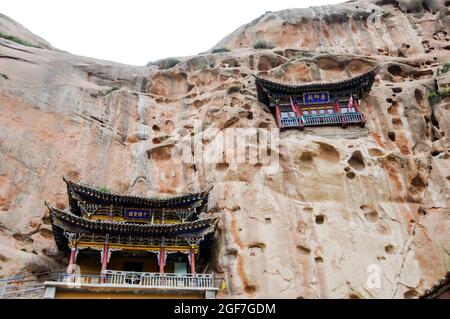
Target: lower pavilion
133 247
316 104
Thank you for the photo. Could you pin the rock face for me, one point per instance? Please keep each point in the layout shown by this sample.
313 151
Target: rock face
349 213
10 28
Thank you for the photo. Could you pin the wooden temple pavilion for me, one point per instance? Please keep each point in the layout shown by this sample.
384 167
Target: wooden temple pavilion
316 104
129 246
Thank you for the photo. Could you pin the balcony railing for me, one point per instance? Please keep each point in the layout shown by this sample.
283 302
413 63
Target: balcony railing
289 122
323 119
145 280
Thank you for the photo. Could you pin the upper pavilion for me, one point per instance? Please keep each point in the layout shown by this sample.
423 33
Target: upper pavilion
317 103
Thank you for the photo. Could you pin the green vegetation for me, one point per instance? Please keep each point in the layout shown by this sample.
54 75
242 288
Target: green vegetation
115 88
164 63
263 44
434 97
220 50
233 89
445 67
104 189
168 63
17 40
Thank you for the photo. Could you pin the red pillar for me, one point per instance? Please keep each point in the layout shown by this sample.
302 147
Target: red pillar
73 255
105 258
358 109
297 114
192 253
294 107
278 112
337 107
161 260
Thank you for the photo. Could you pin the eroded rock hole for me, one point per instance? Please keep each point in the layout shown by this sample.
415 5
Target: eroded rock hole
303 250
320 219
356 161
370 214
395 70
350 175
392 136
389 249
418 182
422 211
222 166
318 260
258 245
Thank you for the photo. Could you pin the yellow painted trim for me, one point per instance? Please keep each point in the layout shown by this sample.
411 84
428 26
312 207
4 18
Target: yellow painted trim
121 219
84 244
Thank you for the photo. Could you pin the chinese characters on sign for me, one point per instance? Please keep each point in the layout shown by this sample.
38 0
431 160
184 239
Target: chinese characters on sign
137 214
316 98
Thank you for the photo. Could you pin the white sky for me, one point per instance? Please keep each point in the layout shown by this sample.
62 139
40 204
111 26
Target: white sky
138 31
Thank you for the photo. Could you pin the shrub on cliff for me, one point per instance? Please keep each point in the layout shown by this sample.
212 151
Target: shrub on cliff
17 40
168 63
435 97
233 89
220 50
165 63
263 44
104 189
445 68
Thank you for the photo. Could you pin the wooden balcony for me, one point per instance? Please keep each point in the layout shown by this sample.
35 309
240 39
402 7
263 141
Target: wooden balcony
328 119
144 283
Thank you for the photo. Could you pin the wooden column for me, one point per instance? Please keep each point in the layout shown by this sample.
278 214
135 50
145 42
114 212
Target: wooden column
278 113
192 259
72 259
294 107
358 109
161 260
297 114
337 107
105 258
161 255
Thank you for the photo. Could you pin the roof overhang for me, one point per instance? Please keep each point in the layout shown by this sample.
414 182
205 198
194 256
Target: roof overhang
81 192
69 222
267 87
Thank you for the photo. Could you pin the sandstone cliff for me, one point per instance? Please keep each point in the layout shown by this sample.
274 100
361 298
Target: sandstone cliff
342 200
